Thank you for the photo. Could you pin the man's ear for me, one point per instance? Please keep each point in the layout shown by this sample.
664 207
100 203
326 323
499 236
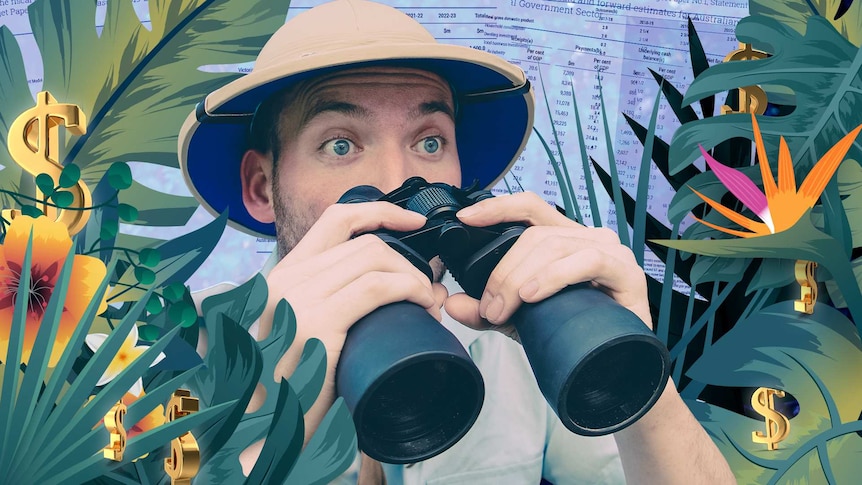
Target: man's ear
256 175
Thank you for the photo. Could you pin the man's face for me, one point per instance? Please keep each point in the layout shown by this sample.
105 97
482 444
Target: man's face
370 126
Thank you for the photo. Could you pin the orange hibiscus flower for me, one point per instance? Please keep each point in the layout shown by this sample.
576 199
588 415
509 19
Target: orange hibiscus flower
51 244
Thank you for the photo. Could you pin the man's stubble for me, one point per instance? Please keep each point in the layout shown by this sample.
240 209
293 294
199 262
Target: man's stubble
294 219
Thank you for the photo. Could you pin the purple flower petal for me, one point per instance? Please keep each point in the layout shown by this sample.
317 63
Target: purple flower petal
741 186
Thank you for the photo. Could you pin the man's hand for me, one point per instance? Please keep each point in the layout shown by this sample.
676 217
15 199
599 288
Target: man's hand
553 253
331 280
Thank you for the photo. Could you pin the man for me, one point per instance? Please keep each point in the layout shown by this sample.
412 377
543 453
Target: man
355 93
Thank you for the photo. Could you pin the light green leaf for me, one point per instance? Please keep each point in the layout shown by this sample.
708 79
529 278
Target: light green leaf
157 209
813 357
15 98
330 450
801 242
795 14
823 70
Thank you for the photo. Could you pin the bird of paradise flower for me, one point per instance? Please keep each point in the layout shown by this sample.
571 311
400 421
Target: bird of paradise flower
782 205
51 244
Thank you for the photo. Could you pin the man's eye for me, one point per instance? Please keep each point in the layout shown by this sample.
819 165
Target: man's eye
339 147
431 144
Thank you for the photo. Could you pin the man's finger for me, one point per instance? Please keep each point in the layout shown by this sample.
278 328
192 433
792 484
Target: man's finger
340 222
526 207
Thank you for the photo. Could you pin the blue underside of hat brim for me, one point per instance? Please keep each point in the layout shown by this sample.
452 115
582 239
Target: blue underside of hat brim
488 133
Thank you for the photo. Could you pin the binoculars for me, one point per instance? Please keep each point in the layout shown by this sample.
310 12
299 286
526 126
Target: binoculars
412 388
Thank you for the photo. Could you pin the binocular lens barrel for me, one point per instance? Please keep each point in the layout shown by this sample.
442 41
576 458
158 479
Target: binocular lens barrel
410 385
599 367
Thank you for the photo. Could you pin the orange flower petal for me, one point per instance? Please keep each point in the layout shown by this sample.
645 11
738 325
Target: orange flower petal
769 187
823 170
786 177
754 226
51 242
725 230
87 274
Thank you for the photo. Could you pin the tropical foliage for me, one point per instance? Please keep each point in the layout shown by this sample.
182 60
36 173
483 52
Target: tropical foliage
125 325
746 334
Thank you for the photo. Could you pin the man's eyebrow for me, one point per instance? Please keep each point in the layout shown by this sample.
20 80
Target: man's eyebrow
325 106
431 107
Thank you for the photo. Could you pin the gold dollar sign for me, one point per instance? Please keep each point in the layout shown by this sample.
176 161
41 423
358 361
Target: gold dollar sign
34 144
807 286
185 459
752 99
777 425
117 441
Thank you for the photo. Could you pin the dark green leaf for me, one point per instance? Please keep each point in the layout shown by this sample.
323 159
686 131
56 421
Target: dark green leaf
174 292
127 213
283 443
773 273
330 450
819 247
821 68
145 276
70 176
150 257
45 184
149 333
63 198
154 306
699 63
233 368
31 211
120 175
180 258
14 356
308 377
109 228
710 269
182 313
253 426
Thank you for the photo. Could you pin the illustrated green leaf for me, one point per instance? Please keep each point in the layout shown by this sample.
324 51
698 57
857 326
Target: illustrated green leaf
35 434
109 228
31 211
120 175
234 366
136 113
180 257
63 198
175 292
308 377
150 257
821 68
145 276
813 357
183 314
330 450
69 176
773 273
802 241
253 426
284 440
795 14
127 213
45 184
15 98
710 269
243 304
156 208
14 355
149 333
